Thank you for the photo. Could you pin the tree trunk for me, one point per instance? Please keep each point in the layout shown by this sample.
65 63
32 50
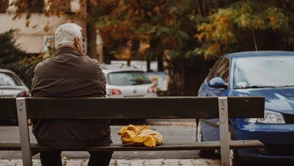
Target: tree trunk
91 33
205 7
160 61
91 41
148 60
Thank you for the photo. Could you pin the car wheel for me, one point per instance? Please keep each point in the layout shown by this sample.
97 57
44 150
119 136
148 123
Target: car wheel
199 138
234 156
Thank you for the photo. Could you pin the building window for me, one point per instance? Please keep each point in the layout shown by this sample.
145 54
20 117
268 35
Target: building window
4 5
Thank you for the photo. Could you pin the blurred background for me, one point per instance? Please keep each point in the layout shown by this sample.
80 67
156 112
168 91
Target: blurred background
175 42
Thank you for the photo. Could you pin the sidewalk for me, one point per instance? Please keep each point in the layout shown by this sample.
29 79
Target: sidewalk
124 162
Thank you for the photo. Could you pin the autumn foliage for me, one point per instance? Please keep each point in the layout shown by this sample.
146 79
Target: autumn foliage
182 32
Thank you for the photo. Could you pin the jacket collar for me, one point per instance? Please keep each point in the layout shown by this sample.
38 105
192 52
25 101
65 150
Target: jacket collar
67 50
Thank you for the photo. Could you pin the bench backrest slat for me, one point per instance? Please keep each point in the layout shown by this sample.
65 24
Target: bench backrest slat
142 108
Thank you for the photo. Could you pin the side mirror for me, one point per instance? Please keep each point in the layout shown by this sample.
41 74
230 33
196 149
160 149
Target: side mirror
217 82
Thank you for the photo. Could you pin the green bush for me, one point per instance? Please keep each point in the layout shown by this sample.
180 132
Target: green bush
14 59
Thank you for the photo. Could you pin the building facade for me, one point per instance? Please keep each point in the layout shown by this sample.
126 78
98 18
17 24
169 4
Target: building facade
36 34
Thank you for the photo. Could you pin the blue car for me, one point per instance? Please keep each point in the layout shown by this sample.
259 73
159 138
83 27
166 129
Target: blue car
256 73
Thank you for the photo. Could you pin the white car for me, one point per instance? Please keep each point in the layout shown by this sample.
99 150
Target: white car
125 81
11 85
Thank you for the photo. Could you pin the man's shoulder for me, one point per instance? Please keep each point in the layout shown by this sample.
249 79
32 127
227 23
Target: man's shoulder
45 66
92 61
42 63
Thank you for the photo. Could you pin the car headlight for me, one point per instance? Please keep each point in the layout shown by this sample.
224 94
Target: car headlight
269 117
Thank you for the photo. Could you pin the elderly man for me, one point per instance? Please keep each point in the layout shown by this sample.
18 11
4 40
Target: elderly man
70 74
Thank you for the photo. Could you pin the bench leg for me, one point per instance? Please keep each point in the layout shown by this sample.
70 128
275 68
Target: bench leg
24 131
224 131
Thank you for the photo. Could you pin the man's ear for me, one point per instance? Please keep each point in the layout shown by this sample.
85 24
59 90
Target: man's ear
76 41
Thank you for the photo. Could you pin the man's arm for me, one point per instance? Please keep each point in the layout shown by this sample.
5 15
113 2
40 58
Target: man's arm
34 80
101 77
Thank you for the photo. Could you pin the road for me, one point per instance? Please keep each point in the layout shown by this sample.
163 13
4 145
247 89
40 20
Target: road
171 130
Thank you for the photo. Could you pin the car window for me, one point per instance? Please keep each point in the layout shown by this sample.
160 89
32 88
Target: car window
220 69
213 70
127 78
264 71
8 79
224 70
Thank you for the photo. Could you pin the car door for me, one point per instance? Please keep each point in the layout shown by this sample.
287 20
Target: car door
210 127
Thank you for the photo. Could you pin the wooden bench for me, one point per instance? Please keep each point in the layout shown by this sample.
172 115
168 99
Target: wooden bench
134 108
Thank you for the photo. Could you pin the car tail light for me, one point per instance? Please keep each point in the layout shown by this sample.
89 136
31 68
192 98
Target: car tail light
24 94
152 89
110 92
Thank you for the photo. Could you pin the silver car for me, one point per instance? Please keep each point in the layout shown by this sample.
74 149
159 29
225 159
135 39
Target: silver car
11 85
125 81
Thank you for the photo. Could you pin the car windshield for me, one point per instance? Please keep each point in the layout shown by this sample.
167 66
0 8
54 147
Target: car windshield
8 79
128 78
263 72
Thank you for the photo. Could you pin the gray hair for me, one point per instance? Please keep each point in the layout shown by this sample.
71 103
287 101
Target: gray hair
66 33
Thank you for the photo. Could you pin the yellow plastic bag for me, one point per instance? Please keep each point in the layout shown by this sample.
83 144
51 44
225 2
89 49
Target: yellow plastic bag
139 135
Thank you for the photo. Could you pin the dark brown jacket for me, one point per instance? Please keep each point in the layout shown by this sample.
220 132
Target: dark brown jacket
69 75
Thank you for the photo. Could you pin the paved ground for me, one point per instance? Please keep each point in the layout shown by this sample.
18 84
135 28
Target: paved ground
118 161
123 162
